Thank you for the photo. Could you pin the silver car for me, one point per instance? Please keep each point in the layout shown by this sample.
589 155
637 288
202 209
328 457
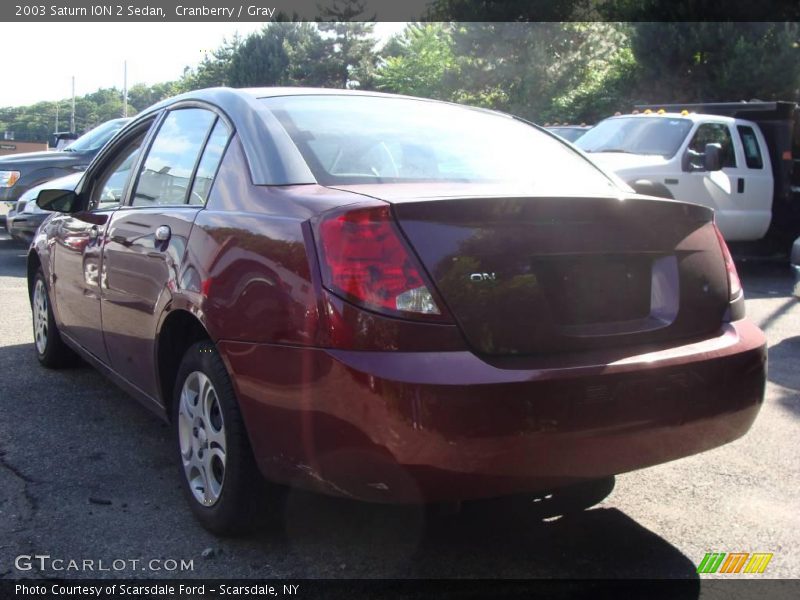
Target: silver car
24 219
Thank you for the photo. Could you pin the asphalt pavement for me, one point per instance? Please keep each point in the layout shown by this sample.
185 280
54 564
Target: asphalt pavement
86 473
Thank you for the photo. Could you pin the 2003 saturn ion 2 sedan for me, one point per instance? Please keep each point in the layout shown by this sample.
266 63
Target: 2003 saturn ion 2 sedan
390 299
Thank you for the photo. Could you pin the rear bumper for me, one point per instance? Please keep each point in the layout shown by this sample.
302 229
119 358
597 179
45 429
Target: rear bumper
416 427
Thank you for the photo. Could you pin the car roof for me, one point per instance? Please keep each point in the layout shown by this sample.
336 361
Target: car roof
271 155
273 92
225 96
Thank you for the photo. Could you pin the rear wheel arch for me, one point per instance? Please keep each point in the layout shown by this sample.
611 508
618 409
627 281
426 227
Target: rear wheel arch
34 264
179 331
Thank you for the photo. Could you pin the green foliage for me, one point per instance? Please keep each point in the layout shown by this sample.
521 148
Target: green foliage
38 121
349 44
541 71
604 69
422 63
694 62
213 70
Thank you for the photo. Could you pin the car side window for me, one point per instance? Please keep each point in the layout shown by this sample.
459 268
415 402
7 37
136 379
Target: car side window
170 162
109 189
209 162
712 133
752 151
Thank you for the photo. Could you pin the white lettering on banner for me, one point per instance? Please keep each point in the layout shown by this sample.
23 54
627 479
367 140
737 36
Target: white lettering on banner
204 11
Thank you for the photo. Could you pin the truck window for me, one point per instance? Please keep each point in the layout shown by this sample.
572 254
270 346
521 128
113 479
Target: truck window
712 133
752 152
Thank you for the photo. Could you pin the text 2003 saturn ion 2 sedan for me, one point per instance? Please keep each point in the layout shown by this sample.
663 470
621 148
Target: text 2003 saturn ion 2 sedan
390 299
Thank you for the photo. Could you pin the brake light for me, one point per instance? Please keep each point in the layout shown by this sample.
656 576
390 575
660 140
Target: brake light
365 260
734 283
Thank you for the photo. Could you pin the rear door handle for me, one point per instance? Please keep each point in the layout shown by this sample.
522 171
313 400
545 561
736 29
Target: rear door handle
740 185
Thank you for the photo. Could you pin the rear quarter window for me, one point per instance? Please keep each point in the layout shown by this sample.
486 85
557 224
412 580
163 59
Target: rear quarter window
209 163
752 150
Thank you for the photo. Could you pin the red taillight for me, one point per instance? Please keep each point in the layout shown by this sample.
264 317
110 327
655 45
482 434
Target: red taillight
734 283
364 259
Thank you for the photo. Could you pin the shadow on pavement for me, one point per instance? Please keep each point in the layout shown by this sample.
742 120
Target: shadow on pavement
392 541
123 455
765 279
13 256
783 371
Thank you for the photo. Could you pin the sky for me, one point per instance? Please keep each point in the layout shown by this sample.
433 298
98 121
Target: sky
45 56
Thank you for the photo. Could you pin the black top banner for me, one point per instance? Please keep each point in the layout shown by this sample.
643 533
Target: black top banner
397 10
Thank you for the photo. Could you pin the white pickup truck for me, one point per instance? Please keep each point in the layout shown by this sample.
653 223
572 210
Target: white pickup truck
710 154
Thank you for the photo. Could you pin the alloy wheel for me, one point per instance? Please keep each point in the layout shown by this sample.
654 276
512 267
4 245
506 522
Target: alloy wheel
201 431
40 316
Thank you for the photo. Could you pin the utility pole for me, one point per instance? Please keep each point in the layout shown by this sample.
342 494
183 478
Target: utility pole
56 130
72 115
125 91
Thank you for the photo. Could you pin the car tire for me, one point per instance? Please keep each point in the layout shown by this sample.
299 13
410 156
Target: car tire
218 472
50 348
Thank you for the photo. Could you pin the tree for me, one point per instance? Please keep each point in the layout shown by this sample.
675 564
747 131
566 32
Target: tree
292 53
214 70
604 74
261 59
351 47
141 96
503 10
422 64
695 62
535 70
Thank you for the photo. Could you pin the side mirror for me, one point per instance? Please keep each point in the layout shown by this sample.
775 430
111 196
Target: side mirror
64 201
712 158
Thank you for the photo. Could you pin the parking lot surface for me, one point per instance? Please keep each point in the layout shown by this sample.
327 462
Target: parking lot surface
86 473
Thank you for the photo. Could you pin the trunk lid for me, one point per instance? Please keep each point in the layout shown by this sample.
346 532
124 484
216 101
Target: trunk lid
533 275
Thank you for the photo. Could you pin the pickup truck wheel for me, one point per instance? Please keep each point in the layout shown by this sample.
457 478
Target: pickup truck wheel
51 350
217 469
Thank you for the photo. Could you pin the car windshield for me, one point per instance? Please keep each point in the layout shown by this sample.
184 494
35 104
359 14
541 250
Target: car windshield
568 133
97 137
373 139
636 135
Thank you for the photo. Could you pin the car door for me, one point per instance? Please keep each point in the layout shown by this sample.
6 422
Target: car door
738 214
146 239
754 184
77 252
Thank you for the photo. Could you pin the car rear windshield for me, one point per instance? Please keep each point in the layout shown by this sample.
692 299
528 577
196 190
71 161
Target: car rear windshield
637 135
373 139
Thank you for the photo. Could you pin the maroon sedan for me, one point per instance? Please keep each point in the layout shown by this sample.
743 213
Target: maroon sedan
390 299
